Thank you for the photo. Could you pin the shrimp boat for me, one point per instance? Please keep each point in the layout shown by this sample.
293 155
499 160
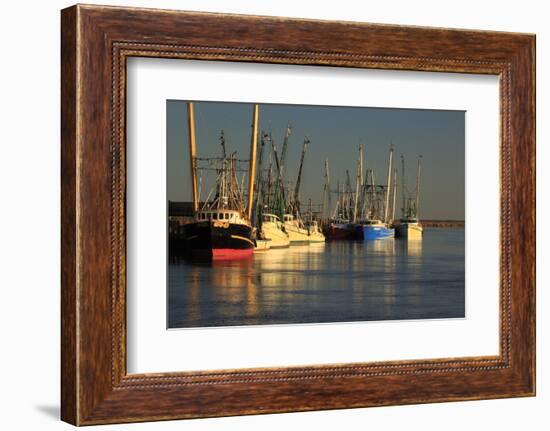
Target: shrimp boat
274 230
277 213
340 226
341 229
302 233
270 198
376 227
221 229
297 231
315 233
409 227
219 234
373 229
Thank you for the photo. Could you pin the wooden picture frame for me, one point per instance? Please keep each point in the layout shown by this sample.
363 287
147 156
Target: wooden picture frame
95 43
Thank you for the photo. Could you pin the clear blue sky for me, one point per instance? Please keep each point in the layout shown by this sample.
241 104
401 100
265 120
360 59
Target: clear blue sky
334 132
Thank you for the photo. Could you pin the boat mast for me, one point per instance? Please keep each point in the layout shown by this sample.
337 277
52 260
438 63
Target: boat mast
326 190
192 153
348 195
361 179
343 210
403 197
418 185
268 196
222 142
373 194
279 192
358 182
258 212
253 149
364 181
337 210
388 185
394 195
299 179
283 152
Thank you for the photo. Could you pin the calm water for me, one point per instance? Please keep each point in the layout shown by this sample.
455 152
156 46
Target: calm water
333 282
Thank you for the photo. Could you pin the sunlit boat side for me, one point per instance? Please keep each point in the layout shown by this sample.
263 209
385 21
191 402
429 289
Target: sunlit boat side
296 230
409 226
274 230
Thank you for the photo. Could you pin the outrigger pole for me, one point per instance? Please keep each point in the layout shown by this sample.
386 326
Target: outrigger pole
192 153
252 170
299 179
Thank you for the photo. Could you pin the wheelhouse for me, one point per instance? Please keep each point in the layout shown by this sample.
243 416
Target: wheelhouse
371 222
270 218
219 215
339 221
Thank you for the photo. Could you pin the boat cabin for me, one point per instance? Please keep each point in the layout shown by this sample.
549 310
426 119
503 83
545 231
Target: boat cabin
339 221
370 222
270 218
223 215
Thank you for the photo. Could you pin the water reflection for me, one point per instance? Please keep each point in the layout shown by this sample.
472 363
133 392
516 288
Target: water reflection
414 247
326 282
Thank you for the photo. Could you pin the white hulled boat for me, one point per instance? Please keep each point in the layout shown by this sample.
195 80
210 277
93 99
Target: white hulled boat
274 230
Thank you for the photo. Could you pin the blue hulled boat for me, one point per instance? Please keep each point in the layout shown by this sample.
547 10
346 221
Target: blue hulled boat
373 229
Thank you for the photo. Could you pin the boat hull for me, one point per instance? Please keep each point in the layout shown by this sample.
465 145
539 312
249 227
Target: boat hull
262 245
296 234
409 231
341 232
279 238
218 240
316 237
368 232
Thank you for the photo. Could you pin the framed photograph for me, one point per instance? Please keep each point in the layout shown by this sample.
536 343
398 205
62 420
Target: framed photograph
267 215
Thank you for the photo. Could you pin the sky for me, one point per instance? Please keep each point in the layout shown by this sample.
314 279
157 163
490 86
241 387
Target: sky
335 133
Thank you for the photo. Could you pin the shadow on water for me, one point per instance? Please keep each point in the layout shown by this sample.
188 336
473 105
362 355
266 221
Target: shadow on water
340 281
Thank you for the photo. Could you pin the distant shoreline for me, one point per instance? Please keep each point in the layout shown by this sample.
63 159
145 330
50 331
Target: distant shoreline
442 223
